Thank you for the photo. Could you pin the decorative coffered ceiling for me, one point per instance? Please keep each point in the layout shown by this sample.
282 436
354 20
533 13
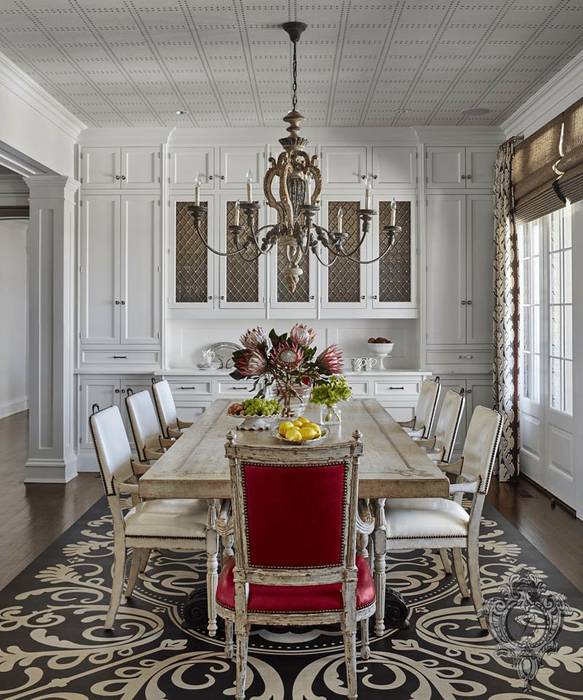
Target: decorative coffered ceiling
399 62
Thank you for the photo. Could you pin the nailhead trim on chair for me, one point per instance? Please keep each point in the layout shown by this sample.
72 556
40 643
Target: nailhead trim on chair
422 537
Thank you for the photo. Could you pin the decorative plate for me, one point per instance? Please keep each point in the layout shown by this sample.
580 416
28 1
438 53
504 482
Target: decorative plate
224 353
324 435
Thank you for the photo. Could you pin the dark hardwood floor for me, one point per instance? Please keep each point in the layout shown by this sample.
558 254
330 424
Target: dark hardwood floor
32 516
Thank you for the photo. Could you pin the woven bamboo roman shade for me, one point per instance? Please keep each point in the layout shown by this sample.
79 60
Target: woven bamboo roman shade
534 174
571 164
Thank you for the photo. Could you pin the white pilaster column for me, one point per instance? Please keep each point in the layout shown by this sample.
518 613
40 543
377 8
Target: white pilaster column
51 244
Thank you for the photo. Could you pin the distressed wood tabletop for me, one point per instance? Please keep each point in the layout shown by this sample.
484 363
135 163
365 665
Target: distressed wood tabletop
392 465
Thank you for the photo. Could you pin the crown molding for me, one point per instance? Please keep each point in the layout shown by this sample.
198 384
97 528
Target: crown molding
125 136
455 135
556 95
37 98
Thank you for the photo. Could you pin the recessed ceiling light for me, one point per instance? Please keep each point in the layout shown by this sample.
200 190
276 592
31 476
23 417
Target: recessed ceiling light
475 112
180 112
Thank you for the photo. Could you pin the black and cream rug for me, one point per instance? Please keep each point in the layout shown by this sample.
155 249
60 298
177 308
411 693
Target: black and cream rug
53 647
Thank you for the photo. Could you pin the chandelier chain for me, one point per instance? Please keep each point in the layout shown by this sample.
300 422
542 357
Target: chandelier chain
295 76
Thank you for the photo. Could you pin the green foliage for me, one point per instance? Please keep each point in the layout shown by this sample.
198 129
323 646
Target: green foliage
331 392
261 407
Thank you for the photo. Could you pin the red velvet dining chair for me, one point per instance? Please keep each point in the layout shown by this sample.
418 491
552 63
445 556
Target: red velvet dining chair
295 563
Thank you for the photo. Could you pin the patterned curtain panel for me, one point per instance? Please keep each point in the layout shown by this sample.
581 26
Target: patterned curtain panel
506 312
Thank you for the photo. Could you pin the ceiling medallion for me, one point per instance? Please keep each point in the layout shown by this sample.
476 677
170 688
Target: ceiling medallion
292 186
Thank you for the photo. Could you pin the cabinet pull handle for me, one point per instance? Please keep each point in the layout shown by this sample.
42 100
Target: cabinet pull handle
465 357
312 297
374 296
187 388
469 302
117 302
222 177
239 388
120 357
362 298
210 177
394 388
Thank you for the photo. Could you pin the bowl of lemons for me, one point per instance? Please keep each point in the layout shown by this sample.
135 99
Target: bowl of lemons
300 430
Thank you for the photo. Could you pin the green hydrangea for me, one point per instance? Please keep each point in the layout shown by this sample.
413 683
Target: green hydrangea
332 391
261 407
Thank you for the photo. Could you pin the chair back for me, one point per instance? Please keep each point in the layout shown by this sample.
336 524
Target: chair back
114 455
448 423
427 406
144 423
481 445
165 407
294 512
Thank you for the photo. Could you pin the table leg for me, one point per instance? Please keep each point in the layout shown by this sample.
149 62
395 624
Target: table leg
391 607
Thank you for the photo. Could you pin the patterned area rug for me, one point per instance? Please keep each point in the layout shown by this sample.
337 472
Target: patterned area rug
52 645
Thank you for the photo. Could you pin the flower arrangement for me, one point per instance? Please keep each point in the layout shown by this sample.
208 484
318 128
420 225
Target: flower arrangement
333 392
290 361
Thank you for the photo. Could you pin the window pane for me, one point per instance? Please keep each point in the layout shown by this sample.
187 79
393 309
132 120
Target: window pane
556 384
535 281
535 334
555 278
555 231
555 331
568 332
536 378
567 277
526 375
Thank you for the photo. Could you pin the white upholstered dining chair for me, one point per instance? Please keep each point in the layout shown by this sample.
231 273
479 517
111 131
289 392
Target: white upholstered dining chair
295 563
440 447
421 425
443 523
172 426
182 524
148 439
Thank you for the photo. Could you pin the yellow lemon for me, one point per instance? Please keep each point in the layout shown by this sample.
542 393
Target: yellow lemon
298 423
308 432
294 435
316 428
285 426
303 420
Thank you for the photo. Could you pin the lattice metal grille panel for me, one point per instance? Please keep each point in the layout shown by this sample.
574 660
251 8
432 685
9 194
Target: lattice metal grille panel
395 267
302 291
191 256
242 276
344 275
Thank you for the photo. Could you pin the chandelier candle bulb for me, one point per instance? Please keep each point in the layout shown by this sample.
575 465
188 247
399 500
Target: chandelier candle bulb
367 193
196 191
237 213
339 216
393 212
249 179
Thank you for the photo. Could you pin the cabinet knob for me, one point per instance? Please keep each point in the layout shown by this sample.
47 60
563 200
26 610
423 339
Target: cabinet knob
123 391
464 302
117 302
375 177
116 391
468 177
469 391
122 302
469 302
312 297
362 298
117 177
222 297
210 297
210 177
222 177
123 177
374 296
463 177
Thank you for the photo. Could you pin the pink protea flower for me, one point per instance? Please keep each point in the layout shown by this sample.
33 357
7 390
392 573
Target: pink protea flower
251 363
330 360
254 338
302 334
288 356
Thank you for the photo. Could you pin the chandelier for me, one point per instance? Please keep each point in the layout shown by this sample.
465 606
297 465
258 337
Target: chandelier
292 186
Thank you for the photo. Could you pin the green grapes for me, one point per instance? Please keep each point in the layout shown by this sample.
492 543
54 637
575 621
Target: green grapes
261 407
332 391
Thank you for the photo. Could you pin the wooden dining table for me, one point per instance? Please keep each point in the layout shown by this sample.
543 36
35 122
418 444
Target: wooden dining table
392 466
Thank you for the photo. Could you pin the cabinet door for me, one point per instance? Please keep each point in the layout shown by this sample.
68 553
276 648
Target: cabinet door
100 167
104 393
446 269
99 276
344 283
285 302
480 167
188 163
394 165
141 236
445 166
191 275
479 267
236 161
344 166
394 274
241 282
140 168
479 393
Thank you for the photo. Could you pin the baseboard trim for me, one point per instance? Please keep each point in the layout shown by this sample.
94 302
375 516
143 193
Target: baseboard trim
9 408
49 471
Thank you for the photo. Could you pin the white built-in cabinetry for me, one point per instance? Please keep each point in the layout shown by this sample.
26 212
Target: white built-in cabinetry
132 168
454 167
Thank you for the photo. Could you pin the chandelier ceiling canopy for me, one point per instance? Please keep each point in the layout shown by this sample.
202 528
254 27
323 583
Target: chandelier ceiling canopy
292 186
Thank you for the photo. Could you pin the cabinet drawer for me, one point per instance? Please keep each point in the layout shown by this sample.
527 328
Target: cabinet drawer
359 388
189 388
457 357
396 388
120 357
233 387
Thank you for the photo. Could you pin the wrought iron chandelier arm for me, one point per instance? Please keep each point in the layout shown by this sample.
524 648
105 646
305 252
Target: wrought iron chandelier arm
366 262
213 250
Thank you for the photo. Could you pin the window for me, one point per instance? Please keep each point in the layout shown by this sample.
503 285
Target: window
546 319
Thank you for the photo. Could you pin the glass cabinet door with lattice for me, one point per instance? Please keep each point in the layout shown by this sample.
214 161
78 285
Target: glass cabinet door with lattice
191 278
393 276
241 281
344 281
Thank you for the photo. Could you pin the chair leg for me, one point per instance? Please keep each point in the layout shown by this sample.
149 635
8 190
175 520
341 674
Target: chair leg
242 642
350 659
135 568
475 585
212 577
145 560
380 578
119 565
229 639
364 638
458 565
444 554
